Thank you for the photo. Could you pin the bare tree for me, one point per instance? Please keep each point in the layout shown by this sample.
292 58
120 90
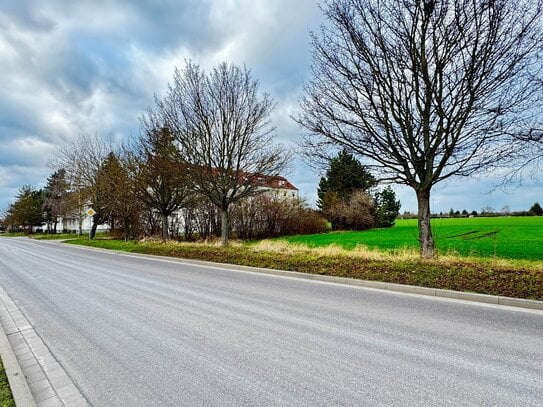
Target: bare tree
82 159
425 90
222 126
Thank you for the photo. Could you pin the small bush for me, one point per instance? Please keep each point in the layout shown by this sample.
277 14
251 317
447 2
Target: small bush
358 213
265 216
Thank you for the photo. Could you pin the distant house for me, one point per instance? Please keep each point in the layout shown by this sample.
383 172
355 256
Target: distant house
274 184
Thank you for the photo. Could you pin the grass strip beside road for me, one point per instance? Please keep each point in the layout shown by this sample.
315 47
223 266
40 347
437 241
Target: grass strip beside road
54 236
511 278
6 398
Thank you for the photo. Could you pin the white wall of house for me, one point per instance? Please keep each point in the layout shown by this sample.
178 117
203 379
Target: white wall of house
280 192
72 225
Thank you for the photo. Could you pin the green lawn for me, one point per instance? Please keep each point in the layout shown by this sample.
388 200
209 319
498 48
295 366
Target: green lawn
505 237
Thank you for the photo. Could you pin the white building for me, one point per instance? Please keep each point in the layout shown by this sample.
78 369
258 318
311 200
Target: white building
74 224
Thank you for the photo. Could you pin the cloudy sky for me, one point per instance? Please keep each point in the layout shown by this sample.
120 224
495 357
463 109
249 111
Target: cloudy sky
92 67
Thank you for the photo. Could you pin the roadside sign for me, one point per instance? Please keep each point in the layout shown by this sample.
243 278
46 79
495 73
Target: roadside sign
90 212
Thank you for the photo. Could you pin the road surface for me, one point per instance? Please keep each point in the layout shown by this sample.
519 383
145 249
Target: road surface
136 331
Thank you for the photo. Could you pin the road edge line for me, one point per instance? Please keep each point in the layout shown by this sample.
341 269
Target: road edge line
379 285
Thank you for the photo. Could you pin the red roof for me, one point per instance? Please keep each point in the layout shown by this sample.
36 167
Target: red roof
276 182
266 181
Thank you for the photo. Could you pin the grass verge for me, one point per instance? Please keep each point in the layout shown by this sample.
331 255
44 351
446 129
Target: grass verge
6 398
13 234
511 278
57 236
48 236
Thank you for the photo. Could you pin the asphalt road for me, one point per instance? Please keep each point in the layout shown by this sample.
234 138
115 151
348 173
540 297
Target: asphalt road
133 331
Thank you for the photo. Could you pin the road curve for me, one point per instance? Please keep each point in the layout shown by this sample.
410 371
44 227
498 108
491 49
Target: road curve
135 331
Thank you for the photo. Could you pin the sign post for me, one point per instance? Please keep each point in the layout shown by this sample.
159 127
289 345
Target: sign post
90 213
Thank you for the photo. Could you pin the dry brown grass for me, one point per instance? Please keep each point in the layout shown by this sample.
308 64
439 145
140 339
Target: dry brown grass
397 255
359 252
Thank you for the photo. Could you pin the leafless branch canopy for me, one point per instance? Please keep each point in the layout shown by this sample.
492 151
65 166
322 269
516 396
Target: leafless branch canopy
82 159
221 124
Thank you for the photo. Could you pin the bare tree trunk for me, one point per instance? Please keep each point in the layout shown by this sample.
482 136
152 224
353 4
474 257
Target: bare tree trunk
93 229
164 226
55 226
126 231
80 224
188 219
425 229
224 226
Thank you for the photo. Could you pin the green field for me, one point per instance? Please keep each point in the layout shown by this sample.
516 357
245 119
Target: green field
505 237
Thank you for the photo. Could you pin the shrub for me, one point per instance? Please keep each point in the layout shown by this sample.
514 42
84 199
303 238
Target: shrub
303 221
357 213
266 215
